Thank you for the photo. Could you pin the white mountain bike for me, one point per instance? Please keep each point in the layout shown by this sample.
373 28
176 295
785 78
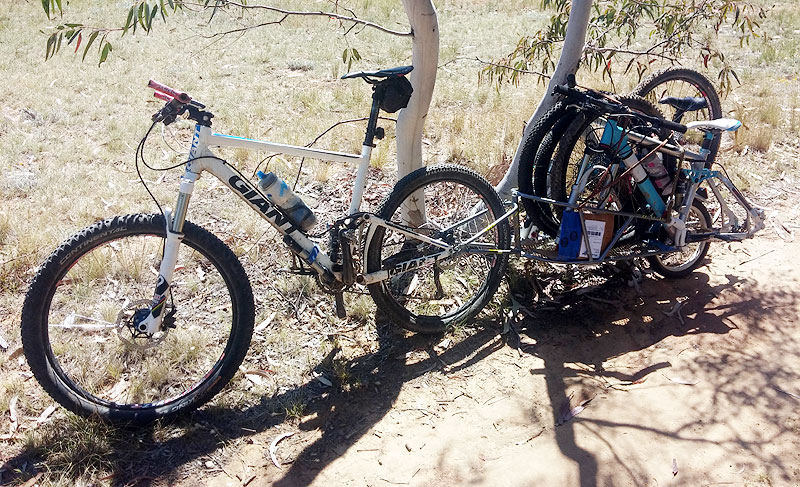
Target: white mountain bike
146 316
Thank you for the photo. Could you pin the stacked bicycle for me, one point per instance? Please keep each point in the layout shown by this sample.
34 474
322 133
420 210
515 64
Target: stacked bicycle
610 174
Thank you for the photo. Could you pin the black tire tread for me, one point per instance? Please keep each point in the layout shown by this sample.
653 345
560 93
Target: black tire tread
529 175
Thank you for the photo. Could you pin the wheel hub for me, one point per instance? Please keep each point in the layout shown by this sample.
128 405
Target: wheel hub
132 331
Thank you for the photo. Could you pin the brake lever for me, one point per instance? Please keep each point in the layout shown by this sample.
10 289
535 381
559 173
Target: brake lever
170 112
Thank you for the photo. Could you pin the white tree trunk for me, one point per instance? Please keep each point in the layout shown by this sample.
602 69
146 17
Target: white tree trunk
425 59
574 41
410 121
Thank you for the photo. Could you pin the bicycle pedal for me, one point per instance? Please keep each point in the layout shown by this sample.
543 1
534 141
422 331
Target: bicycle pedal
341 312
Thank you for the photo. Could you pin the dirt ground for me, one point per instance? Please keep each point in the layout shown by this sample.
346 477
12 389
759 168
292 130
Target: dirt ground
610 386
609 389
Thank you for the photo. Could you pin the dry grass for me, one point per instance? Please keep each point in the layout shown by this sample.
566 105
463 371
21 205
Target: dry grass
68 132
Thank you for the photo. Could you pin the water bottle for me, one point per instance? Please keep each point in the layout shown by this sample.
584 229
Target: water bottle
654 166
284 198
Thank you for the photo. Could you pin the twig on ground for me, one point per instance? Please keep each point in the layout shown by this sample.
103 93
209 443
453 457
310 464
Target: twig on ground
754 258
522 442
787 393
676 311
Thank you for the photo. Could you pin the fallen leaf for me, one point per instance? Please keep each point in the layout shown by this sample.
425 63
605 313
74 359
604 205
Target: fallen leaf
325 380
16 353
274 446
31 482
12 411
787 393
266 322
46 414
444 343
260 372
563 411
568 413
679 380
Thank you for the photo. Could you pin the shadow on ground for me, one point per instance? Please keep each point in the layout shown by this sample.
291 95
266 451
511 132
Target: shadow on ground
575 341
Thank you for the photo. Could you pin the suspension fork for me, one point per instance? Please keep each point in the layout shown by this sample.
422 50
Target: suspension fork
174 222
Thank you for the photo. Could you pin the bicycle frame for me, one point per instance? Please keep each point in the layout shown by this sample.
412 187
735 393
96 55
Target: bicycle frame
202 159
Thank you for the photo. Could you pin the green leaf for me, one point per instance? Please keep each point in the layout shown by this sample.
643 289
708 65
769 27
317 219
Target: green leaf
163 14
89 44
60 10
128 21
146 24
104 54
58 44
140 13
46 7
736 76
50 44
171 4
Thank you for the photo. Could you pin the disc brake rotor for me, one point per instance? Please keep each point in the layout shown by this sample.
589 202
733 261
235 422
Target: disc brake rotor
127 332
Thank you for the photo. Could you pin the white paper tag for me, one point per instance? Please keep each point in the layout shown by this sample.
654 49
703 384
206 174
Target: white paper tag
595 230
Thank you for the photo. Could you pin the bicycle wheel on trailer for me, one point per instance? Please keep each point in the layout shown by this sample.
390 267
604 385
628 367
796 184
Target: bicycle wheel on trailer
580 146
684 83
78 314
682 262
450 204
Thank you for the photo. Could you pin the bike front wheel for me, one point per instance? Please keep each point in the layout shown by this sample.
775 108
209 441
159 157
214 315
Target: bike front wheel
451 205
77 321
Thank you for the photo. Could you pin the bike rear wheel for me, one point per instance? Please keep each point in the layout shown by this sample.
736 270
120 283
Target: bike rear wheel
77 321
450 204
683 262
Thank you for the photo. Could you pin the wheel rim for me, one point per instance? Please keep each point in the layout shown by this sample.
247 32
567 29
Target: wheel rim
691 253
93 348
453 212
682 87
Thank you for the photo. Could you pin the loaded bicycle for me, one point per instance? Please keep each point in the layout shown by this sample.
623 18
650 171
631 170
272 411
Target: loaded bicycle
146 316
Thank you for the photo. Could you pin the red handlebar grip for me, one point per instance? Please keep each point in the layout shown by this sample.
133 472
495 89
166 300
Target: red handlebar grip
178 95
162 96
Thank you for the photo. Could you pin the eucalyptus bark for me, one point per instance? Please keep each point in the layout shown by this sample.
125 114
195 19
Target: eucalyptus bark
411 120
574 42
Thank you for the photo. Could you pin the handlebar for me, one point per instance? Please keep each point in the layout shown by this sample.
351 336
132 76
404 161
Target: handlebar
178 103
611 107
166 90
162 96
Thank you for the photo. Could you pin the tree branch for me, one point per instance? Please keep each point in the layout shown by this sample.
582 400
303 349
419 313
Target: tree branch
511 68
302 13
632 52
245 29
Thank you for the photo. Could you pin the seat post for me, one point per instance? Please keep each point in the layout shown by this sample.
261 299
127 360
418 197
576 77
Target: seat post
378 93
